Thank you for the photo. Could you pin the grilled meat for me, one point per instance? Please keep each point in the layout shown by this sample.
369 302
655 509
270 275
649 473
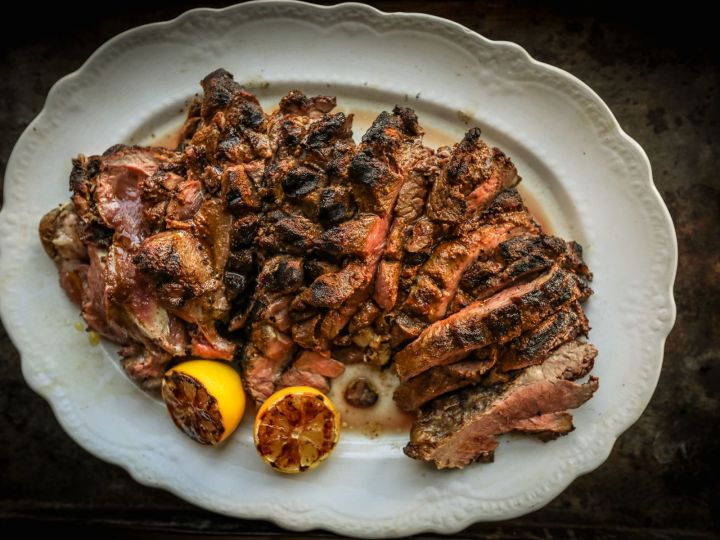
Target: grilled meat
274 239
461 428
530 348
495 320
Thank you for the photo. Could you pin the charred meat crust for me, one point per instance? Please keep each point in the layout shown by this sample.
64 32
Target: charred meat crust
495 320
461 428
274 238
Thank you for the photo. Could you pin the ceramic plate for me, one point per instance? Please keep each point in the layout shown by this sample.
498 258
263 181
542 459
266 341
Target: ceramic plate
592 182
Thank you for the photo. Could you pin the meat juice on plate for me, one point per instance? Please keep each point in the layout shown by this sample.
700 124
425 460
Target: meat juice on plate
382 417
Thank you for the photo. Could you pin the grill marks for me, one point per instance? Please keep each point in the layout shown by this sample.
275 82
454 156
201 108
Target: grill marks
276 240
532 347
455 430
496 320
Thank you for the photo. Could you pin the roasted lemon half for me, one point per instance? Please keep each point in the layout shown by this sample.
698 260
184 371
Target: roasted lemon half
205 399
296 428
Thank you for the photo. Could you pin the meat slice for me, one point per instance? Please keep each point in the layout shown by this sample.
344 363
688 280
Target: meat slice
335 205
297 377
107 191
319 363
474 176
265 357
117 188
534 346
270 348
514 259
129 299
358 237
495 320
284 233
232 127
238 190
546 427
144 364
307 141
312 369
383 161
387 283
120 306
461 428
365 315
308 145
438 279
434 382
410 205
179 265
98 311
60 236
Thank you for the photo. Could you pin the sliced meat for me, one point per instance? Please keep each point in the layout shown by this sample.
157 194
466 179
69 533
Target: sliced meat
530 348
288 234
495 320
341 292
461 428
514 259
219 88
383 161
331 290
107 191
320 363
144 365
410 203
275 240
120 305
335 205
313 369
238 190
99 312
297 377
297 103
227 127
117 193
438 279
364 316
306 333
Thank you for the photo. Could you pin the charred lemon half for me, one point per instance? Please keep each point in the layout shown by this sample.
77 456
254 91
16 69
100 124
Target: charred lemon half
296 428
205 399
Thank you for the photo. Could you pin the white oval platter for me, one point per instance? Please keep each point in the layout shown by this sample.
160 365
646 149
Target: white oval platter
592 181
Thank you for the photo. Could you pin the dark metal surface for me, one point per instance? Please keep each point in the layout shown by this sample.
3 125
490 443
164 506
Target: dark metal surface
658 74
